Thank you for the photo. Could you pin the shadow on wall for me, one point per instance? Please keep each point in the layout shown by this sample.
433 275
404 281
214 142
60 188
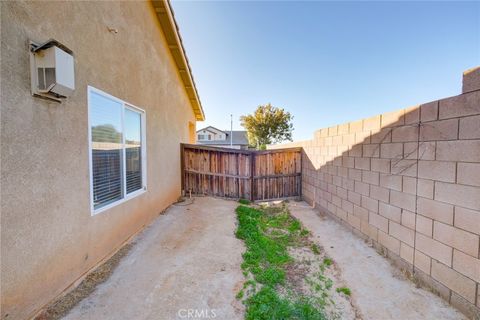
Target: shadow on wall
409 181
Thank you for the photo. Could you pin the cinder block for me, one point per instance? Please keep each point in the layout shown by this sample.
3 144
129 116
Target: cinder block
348 184
409 185
371 123
439 130
405 133
424 225
471 80
383 135
467 219
437 170
343 129
348 139
401 233
391 181
324 132
378 221
393 119
379 193
391 212
408 219
470 128
347 206
429 111
380 165
464 306
466 265
422 262
362 188
337 140
362 137
465 196
353 221
354 198
355 151
362 163
462 240
425 188
468 173
356 126
348 162
355 174
370 204
412 115
371 177
332 131
402 200
371 150
389 242
360 212
434 249
454 280
404 167
424 150
369 230
462 105
391 150
435 210
342 214
406 252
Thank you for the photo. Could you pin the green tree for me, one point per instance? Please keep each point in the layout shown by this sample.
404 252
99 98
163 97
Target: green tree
267 125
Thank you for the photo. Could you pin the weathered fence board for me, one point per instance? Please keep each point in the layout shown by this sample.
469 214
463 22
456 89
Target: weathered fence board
231 173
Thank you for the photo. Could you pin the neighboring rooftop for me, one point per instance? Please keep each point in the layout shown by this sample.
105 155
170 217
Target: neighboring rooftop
213 136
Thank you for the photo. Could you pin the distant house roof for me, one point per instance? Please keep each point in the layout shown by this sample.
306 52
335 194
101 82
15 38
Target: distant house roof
170 29
239 137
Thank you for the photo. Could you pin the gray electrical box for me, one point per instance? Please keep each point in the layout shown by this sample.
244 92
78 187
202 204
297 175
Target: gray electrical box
52 70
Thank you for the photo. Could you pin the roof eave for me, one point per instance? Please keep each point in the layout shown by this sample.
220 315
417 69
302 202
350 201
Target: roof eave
164 13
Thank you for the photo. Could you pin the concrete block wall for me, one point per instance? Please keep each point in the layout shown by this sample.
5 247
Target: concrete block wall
409 181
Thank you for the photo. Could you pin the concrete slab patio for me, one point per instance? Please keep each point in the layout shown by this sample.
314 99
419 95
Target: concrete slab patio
188 260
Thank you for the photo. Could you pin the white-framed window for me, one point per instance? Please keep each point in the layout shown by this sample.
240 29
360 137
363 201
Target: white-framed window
201 137
117 150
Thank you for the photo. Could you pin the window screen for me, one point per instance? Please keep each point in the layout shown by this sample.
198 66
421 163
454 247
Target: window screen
133 150
117 155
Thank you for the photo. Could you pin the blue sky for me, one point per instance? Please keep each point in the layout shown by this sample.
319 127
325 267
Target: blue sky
326 62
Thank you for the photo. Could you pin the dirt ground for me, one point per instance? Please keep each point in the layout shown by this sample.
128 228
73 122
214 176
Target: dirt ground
186 265
379 291
186 262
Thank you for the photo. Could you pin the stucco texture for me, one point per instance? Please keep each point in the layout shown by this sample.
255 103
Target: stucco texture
48 236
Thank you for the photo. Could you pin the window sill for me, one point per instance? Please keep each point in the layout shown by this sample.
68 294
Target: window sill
116 203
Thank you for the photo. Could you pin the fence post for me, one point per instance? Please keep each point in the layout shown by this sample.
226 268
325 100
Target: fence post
252 160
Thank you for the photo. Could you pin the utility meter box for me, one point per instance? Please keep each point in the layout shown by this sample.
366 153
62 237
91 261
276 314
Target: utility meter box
53 72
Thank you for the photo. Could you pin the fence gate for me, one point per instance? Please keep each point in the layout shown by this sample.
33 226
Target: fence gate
232 173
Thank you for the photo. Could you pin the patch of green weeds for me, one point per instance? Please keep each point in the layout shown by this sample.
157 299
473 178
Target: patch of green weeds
315 249
346 291
244 201
268 232
328 262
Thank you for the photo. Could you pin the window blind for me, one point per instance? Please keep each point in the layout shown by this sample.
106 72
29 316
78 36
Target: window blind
107 149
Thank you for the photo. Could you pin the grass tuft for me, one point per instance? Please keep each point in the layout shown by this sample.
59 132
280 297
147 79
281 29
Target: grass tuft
244 201
346 291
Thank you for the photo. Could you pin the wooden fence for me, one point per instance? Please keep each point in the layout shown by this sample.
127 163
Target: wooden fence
232 173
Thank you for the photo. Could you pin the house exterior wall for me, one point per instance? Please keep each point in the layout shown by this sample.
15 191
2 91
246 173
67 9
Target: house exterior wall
48 236
409 181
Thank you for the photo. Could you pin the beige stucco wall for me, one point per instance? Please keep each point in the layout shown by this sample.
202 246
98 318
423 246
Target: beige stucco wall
409 181
48 236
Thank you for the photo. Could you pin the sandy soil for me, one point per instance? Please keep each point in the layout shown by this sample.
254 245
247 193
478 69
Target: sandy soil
188 260
378 290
